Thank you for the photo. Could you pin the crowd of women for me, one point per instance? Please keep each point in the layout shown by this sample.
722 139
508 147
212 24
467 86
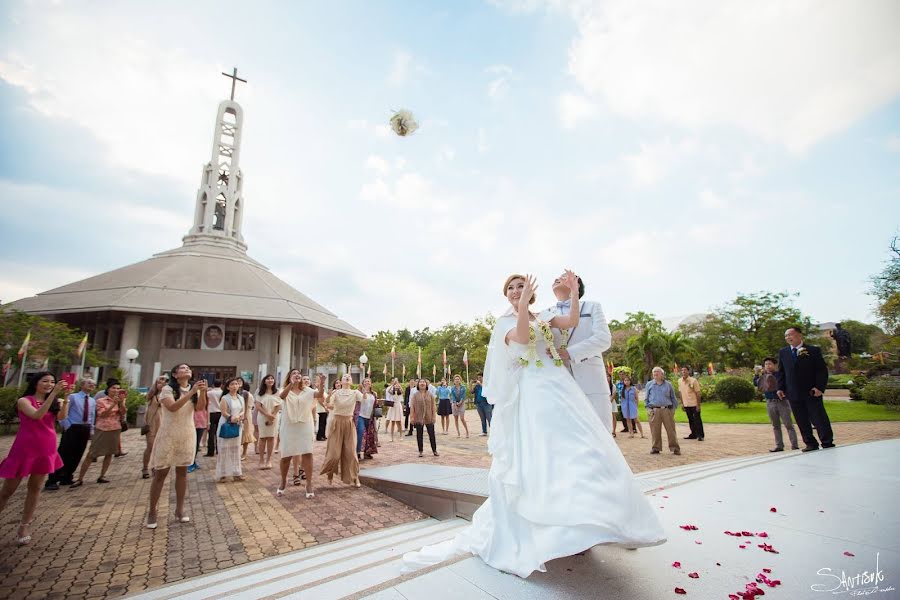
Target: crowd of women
182 411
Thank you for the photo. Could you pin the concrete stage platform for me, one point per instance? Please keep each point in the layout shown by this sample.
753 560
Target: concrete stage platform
829 505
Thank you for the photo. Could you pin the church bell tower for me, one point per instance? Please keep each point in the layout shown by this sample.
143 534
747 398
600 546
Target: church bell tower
220 201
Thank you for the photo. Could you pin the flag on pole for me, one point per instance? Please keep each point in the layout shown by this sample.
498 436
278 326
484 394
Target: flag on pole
404 371
445 356
466 358
676 368
25 344
609 367
385 370
393 352
7 365
711 369
46 364
449 371
419 360
82 346
433 372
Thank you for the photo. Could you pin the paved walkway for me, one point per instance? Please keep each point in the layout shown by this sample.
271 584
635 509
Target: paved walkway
90 542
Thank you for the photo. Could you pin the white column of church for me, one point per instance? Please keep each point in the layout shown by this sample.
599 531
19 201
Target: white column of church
130 338
284 349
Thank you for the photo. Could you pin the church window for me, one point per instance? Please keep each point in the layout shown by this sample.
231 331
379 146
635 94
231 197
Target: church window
192 338
231 338
173 337
248 340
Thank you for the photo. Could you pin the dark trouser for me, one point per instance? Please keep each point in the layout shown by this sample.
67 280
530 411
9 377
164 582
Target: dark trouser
810 412
323 422
213 432
694 421
430 427
485 410
199 431
622 419
407 425
71 448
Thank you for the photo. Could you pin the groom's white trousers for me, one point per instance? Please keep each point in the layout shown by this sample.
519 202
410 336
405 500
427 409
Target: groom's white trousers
603 407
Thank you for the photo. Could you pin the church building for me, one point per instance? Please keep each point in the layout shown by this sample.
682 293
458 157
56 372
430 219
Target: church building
206 303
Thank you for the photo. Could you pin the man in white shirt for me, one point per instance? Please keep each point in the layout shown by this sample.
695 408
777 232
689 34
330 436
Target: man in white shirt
213 395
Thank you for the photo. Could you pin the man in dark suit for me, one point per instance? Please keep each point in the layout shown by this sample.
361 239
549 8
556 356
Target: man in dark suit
802 379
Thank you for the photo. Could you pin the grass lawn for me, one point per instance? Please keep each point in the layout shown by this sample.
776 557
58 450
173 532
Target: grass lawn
755 412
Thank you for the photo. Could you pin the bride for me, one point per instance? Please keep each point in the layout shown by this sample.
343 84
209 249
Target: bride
552 494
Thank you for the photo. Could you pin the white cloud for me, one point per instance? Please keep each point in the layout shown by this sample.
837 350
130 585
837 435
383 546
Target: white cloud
655 160
482 142
790 73
404 68
378 164
499 85
710 199
574 108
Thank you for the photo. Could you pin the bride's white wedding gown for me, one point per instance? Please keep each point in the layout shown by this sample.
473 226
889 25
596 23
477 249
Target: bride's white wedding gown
558 483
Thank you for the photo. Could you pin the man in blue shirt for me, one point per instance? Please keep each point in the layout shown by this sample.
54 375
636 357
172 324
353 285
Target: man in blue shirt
483 407
77 428
661 405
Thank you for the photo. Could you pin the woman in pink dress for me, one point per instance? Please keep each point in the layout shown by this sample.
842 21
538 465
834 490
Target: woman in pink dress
33 453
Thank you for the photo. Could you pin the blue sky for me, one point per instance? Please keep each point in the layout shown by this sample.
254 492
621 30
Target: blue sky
674 154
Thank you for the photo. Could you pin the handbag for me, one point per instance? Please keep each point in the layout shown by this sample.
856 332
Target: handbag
228 430
124 425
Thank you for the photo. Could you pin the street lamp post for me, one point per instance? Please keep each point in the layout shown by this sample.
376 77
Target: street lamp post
362 361
131 354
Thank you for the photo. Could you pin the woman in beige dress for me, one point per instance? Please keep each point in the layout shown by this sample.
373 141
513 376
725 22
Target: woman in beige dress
151 421
176 438
340 455
268 408
297 427
247 425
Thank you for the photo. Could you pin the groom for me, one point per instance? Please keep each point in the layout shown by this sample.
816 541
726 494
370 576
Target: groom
583 348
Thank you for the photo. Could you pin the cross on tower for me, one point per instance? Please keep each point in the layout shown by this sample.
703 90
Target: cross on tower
234 80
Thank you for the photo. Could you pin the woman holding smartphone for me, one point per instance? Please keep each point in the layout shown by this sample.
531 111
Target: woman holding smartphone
33 453
151 419
107 431
175 440
234 412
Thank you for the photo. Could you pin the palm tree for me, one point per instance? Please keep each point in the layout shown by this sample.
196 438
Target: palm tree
678 347
645 351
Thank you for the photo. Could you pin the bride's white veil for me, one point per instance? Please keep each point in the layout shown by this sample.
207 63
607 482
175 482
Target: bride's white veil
501 388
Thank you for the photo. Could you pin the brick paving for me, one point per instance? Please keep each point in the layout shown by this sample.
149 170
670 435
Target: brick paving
90 542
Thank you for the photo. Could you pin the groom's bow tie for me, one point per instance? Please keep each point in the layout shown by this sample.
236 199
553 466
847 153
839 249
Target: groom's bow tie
563 305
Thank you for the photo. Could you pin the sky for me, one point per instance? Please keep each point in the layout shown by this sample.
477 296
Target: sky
672 154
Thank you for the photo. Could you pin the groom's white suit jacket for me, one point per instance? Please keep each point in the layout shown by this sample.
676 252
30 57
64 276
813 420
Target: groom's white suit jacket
586 345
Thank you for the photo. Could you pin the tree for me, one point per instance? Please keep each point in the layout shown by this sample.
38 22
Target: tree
53 341
746 330
644 351
678 347
886 289
865 338
340 349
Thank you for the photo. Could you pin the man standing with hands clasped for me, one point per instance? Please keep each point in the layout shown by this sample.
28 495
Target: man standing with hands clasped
689 388
803 376
582 348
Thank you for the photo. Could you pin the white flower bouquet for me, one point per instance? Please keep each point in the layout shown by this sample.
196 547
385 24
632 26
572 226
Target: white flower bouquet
403 123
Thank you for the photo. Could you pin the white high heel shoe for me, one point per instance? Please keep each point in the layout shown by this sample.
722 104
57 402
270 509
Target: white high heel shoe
310 495
279 492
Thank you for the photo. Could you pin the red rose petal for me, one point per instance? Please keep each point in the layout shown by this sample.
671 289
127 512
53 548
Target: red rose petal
742 546
773 509
746 533
718 564
767 570
689 527
680 591
698 542
762 534
848 553
676 564
694 575
665 496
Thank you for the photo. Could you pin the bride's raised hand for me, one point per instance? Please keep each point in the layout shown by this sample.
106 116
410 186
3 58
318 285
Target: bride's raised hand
528 292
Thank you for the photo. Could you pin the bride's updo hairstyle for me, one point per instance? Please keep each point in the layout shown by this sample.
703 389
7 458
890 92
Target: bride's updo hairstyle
509 280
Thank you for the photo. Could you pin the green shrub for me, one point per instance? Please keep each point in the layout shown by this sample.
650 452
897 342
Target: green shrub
735 390
133 400
856 388
8 398
708 389
884 391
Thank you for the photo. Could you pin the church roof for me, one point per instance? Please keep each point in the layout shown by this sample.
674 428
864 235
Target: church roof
202 278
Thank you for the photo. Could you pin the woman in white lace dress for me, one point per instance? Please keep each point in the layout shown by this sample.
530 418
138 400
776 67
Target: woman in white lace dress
176 439
228 460
550 495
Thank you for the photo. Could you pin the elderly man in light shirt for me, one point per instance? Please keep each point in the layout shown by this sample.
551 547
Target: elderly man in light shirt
689 388
661 404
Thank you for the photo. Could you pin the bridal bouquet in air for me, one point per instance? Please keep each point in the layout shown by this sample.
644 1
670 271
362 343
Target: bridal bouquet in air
403 123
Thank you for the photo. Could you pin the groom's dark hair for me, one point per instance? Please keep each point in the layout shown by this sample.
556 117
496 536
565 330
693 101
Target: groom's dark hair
580 288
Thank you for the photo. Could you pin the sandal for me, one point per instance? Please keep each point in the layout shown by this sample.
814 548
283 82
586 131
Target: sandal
279 492
297 480
102 479
78 483
21 540
145 474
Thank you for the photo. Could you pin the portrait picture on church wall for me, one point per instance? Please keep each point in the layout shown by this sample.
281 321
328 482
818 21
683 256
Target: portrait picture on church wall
213 336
